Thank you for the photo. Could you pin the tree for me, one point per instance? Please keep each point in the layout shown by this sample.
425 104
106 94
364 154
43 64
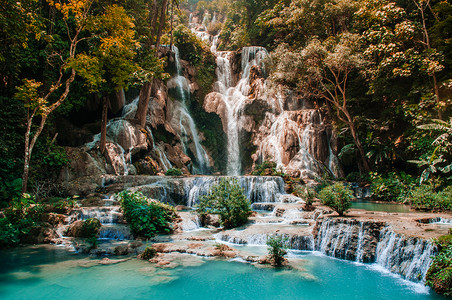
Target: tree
337 197
434 66
226 198
156 31
276 249
111 64
75 14
325 73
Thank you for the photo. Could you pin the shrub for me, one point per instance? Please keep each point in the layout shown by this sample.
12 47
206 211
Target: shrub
426 197
227 200
439 275
146 217
90 228
276 249
148 253
391 187
337 197
214 28
173 172
20 217
267 168
308 194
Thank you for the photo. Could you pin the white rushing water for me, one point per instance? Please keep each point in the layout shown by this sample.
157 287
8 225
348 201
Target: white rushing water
188 131
234 96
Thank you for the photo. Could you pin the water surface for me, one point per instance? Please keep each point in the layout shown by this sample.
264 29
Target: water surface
46 273
379 206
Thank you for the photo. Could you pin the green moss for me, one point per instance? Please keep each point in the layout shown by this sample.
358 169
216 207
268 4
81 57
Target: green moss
439 275
148 253
160 134
247 150
215 138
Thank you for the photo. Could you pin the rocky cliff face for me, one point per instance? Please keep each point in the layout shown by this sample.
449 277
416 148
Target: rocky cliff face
171 138
268 123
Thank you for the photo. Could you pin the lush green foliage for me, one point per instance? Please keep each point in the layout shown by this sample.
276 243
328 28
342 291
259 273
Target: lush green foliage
226 199
173 172
90 228
439 275
146 217
20 217
148 253
337 197
308 194
426 196
391 186
267 168
276 246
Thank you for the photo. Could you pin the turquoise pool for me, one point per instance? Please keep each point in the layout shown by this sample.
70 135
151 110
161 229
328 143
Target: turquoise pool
49 273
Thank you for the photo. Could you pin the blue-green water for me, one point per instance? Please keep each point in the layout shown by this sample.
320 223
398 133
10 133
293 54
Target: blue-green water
378 206
51 275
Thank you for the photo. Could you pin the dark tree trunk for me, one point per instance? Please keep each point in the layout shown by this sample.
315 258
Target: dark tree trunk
143 103
161 23
103 129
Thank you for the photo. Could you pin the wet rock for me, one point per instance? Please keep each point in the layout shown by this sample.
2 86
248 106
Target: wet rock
211 220
43 234
75 229
121 250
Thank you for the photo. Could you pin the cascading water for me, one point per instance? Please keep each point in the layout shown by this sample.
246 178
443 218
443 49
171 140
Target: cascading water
409 257
234 97
188 131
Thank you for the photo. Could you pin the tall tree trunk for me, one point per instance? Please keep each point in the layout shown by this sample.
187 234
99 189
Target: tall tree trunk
161 23
143 103
172 17
428 46
357 141
155 15
103 128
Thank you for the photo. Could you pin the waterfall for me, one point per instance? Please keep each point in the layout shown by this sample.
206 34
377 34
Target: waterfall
234 97
407 256
256 189
187 125
375 243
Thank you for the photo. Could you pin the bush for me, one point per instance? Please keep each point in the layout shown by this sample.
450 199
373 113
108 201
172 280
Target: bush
426 197
146 217
19 219
173 172
214 28
148 253
439 275
337 197
227 200
391 186
90 228
308 194
276 249
267 168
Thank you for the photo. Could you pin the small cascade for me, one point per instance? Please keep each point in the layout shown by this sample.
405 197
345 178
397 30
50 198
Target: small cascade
129 110
347 239
294 241
360 249
256 189
105 214
190 221
110 216
115 232
188 132
410 257
161 156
